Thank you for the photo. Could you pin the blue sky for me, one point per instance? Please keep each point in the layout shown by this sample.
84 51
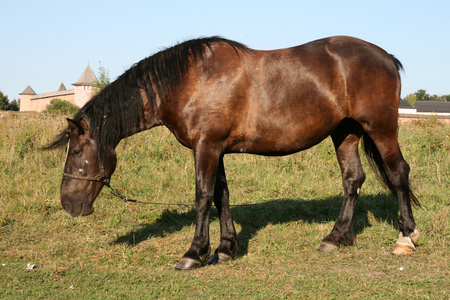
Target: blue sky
44 43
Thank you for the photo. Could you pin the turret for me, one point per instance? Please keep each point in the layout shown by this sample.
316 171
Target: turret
84 86
25 99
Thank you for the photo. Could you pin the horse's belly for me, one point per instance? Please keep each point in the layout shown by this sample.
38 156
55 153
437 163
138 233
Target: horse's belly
282 140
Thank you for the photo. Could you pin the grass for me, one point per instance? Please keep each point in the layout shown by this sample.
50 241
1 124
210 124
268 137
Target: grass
125 250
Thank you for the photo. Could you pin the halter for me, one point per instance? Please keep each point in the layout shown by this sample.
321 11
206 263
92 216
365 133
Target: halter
101 177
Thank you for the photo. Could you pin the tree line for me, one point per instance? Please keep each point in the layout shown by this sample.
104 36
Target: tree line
422 95
5 104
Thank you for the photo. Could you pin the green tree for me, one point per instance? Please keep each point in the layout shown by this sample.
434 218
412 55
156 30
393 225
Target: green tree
103 79
6 105
14 105
3 101
411 99
422 95
434 98
61 107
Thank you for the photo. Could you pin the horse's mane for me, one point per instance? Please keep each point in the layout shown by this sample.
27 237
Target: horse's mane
116 112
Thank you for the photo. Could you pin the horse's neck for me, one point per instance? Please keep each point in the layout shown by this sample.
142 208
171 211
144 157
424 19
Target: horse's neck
147 121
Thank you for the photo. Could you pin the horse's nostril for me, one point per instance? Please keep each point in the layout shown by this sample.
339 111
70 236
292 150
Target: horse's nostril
68 208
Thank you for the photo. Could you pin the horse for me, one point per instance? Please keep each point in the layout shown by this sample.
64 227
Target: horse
218 96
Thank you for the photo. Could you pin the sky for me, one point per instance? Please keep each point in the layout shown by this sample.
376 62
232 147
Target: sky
45 43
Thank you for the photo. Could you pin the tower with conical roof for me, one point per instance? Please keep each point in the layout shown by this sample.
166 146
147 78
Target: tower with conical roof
84 87
25 99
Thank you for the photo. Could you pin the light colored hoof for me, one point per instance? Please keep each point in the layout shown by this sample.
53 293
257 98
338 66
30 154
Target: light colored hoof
188 264
327 247
402 250
405 246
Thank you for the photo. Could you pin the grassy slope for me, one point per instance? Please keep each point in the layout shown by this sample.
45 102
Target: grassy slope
124 250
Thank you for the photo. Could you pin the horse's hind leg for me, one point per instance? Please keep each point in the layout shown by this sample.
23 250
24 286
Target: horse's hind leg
383 145
346 140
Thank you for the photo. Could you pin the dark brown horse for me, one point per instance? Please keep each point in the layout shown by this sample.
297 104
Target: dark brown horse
217 96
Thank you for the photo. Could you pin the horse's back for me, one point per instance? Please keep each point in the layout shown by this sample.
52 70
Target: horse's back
286 100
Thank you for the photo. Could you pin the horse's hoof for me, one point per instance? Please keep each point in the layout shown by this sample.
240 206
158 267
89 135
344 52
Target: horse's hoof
402 250
327 247
405 246
188 264
219 258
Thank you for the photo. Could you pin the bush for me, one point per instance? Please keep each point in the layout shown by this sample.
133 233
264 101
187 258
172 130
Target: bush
61 107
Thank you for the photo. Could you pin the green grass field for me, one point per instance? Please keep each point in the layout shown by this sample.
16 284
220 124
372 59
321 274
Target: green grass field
126 250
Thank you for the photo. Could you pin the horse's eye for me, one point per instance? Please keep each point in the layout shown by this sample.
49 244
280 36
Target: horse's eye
76 152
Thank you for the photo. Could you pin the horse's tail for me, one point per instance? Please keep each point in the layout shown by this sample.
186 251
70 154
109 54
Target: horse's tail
397 63
379 167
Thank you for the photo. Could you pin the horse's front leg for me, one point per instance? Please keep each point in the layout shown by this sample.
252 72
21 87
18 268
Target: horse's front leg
206 164
229 245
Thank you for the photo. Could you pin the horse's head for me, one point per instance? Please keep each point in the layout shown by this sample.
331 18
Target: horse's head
86 170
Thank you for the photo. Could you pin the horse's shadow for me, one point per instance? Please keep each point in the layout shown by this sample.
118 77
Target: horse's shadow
254 217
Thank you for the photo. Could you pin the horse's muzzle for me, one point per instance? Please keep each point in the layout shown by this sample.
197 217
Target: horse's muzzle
76 209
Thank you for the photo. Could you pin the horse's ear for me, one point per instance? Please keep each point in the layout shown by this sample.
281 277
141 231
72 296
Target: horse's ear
84 126
77 128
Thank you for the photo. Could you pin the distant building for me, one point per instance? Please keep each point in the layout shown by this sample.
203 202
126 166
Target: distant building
435 107
82 92
424 109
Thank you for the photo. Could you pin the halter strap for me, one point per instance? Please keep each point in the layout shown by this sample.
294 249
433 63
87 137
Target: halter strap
100 177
